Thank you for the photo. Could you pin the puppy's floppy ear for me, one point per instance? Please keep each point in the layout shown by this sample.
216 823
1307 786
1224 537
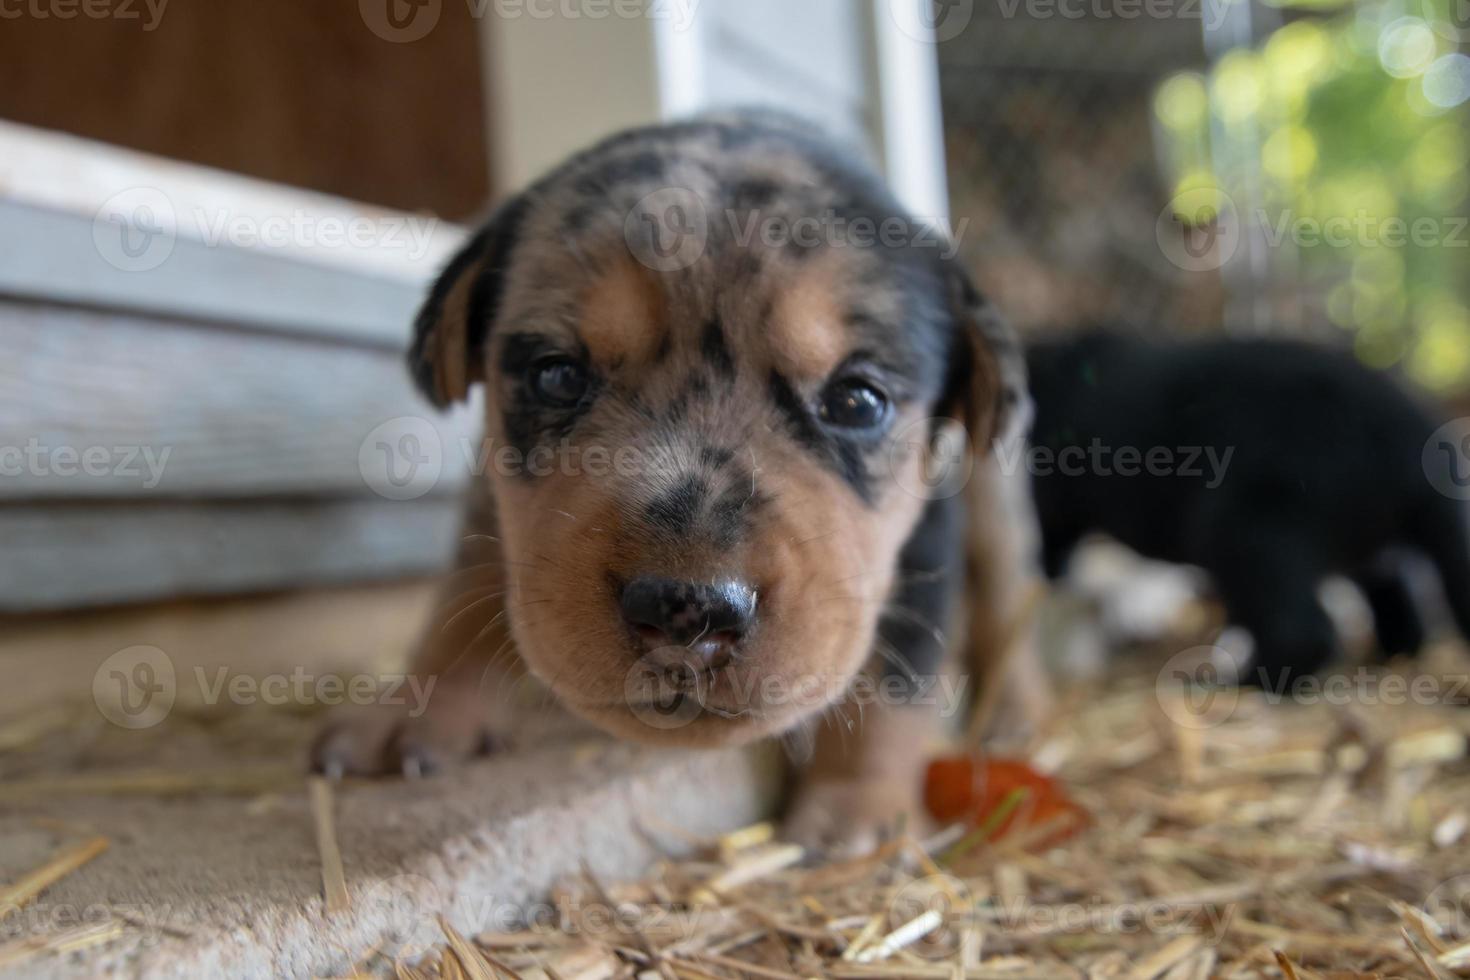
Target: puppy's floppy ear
987 384
447 354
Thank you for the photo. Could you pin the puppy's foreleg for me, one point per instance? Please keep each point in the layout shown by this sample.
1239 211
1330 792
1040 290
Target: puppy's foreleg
460 679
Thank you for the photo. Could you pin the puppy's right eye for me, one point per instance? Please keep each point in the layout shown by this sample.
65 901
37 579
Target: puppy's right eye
853 403
559 381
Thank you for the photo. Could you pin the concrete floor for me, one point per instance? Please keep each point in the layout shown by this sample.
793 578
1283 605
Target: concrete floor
226 880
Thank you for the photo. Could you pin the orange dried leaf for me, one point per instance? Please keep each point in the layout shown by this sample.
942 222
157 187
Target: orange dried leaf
985 792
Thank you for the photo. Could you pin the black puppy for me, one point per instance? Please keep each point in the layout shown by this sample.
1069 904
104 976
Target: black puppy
1267 463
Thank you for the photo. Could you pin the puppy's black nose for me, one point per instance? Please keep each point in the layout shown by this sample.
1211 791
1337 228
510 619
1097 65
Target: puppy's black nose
707 619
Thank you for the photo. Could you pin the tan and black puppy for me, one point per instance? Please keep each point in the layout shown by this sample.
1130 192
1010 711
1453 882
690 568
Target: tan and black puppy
717 357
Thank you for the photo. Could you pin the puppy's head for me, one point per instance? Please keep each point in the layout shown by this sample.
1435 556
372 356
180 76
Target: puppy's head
712 383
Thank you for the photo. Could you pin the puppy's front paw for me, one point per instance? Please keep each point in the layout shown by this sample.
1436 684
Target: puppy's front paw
379 739
850 817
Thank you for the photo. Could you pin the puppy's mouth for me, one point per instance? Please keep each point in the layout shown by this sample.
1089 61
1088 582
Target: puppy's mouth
727 692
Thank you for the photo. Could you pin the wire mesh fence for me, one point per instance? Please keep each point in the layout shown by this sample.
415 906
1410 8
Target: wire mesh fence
1191 165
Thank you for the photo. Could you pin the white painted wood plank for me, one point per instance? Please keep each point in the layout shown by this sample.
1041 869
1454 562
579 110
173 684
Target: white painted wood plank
63 557
813 44
735 82
51 256
85 222
67 174
906 89
96 405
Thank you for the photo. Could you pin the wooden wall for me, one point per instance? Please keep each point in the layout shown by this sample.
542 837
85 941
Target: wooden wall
300 92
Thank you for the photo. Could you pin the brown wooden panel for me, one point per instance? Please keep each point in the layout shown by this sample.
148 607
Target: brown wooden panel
302 93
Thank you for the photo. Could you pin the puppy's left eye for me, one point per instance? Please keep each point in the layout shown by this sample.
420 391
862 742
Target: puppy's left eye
853 403
559 381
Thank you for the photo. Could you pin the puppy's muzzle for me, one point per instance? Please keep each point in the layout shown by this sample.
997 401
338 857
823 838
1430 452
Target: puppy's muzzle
688 623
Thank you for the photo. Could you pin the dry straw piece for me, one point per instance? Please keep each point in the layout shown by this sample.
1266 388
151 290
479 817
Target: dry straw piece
334 879
1273 839
12 897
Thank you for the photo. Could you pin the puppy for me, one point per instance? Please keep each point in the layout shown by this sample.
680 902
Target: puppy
1267 463
735 391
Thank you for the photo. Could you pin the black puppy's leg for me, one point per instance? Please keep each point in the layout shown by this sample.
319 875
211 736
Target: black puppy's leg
1441 530
1396 619
1056 553
1271 590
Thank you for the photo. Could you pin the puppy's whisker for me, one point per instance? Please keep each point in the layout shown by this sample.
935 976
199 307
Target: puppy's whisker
484 631
815 537
839 598
690 644
492 663
449 623
445 605
937 575
800 743
913 616
890 655
551 562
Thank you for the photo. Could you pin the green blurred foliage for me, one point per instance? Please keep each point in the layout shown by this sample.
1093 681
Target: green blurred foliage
1350 124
